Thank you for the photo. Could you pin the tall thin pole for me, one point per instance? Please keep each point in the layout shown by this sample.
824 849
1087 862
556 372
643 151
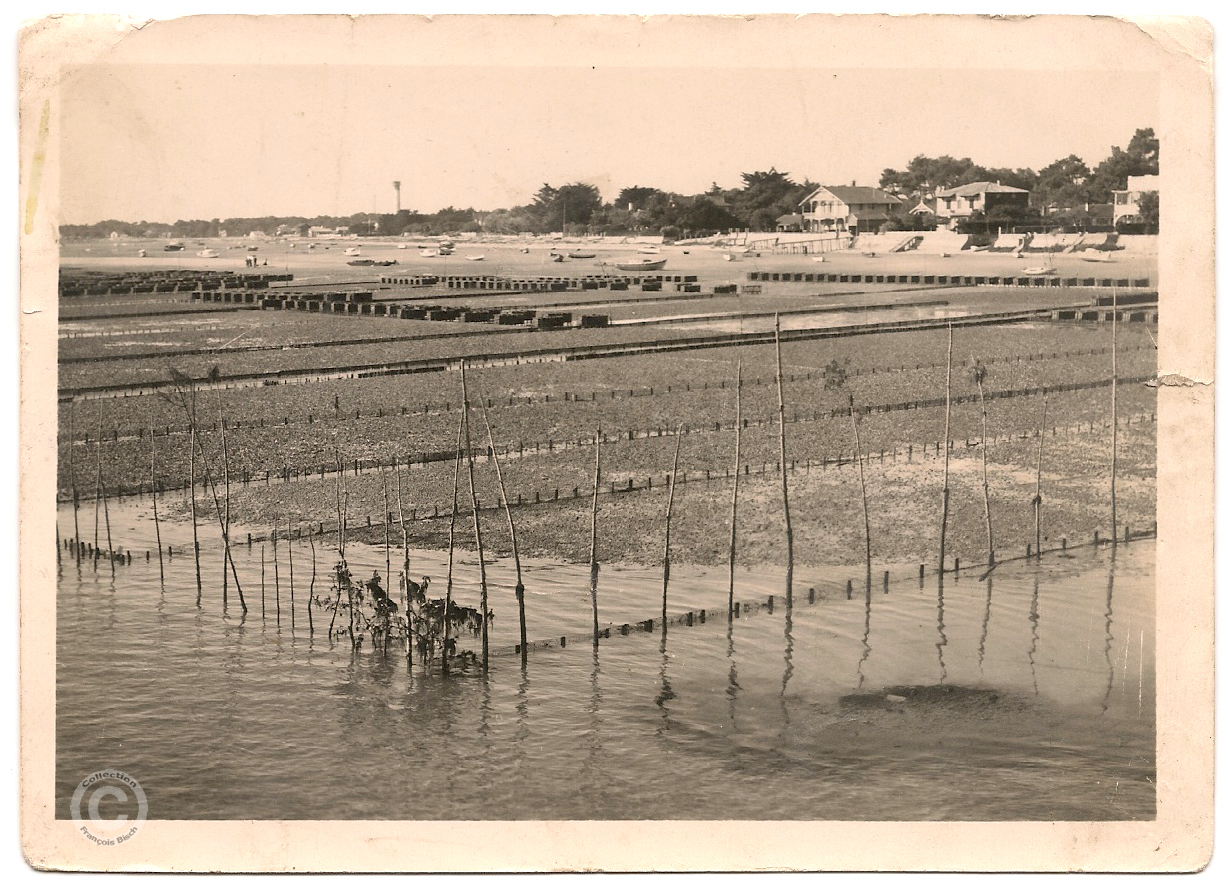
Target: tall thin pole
217 510
784 470
383 478
97 482
192 489
980 374
72 479
1040 449
221 414
1113 463
946 463
737 471
447 600
669 516
406 602
277 579
290 556
511 529
107 513
153 492
865 504
593 567
477 524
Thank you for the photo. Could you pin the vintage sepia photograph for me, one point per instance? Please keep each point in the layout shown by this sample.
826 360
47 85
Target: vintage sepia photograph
501 420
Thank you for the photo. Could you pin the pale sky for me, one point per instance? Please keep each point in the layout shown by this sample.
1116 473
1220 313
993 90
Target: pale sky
163 142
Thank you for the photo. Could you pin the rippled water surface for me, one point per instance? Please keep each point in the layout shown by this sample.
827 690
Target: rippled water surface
1027 695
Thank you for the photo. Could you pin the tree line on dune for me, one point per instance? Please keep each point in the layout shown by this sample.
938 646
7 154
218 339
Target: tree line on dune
1060 191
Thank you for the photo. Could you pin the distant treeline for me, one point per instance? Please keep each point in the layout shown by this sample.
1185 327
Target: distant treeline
1063 189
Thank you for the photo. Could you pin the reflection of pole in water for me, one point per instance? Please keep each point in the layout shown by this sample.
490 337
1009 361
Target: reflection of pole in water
733 688
865 643
1108 631
1034 617
788 674
667 690
980 650
1141 658
592 765
942 634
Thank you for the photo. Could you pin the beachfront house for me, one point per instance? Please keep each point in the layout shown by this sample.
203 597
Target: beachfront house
848 209
1125 202
790 223
956 204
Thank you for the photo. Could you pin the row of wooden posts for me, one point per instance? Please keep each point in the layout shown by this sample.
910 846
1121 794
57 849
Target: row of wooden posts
116 433
183 393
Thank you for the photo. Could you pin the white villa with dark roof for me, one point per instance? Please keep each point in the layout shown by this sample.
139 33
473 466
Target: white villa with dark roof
848 209
958 203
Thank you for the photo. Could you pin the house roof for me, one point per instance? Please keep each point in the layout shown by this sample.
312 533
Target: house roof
790 218
979 187
855 194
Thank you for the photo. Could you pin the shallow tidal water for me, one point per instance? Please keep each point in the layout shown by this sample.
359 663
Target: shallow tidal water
1025 696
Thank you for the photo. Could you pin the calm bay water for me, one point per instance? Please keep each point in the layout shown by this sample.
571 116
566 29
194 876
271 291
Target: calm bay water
1029 695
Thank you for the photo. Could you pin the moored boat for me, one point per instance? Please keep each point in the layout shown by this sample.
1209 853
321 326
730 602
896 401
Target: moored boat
646 264
207 253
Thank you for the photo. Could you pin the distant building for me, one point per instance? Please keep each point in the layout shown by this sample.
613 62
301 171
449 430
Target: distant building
1125 203
848 209
319 231
958 203
789 223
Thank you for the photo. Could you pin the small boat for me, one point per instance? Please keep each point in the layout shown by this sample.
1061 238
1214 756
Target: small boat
646 264
353 250
207 253
173 246
1039 271
475 257
427 253
1098 259
649 250
371 262
402 246
556 257
253 248
729 256
818 258
581 254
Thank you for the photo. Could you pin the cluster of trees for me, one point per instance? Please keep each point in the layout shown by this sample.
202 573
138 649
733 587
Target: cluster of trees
1061 193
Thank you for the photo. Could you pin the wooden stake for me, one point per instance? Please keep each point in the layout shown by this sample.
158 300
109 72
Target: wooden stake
107 513
669 516
1113 462
784 470
290 555
311 590
72 481
262 582
511 529
865 505
477 524
1040 448
447 602
946 463
276 578
192 488
406 602
153 491
221 414
593 567
97 484
737 471
217 510
979 373
383 478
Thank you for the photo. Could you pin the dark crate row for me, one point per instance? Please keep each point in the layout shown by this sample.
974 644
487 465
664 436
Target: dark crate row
945 280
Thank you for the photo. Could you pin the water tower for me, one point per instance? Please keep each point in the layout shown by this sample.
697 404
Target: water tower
396 185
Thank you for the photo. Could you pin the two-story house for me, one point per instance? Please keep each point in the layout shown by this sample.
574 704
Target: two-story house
1125 203
848 209
955 204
